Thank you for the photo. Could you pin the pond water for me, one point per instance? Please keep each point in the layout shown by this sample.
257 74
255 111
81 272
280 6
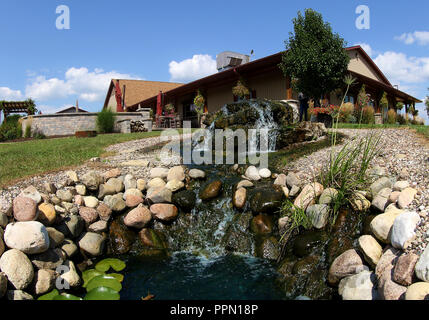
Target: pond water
188 277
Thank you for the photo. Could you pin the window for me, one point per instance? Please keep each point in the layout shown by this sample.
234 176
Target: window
350 99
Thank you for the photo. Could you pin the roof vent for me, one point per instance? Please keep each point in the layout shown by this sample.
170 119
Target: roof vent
227 60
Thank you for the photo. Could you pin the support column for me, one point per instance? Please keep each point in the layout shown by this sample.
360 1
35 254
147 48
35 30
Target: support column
289 94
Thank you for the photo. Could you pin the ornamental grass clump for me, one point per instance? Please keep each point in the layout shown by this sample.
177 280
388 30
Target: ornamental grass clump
346 170
391 116
105 121
368 115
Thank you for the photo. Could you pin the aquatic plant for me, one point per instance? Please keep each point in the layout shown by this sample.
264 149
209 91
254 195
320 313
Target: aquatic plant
98 284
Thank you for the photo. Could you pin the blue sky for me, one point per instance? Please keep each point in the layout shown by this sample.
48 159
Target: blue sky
179 40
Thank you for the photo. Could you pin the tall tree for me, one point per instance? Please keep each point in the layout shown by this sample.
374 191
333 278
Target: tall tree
315 57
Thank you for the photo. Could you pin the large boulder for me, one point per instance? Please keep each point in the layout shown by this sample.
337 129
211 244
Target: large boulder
403 229
404 269
252 173
92 243
159 195
47 214
318 215
29 237
387 261
211 191
382 224
24 209
164 212
138 218
159 173
266 200
418 291
176 173
422 266
308 195
92 180
17 267
361 286
32 193
371 249
347 264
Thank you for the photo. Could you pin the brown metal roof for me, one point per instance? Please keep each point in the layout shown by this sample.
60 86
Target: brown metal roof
270 63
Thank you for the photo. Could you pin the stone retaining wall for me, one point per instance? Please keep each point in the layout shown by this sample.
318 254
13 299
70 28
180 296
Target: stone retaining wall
68 123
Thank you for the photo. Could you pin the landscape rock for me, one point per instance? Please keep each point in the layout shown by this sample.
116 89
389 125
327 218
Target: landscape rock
159 195
50 259
17 268
114 173
404 269
71 277
245 184
43 282
328 195
387 261
185 200
92 180
98 227
265 173
72 175
359 202
24 209
280 180
81 189
240 197
141 184
418 291
388 289
403 229
380 184
133 201
211 191
361 286
164 212
400 185
72 226
197 174
262 224
159 173
104 212
253 173
90 215
56 238
130 182
382 224
92 243
47 214
32 193
69 248
347 264
381 200
318 214
371 249
176 173
308 195
138 218
18 295
90 202
294 191
175 185
292 180
29 237
64 195
115 202
394 196
406 197
156 183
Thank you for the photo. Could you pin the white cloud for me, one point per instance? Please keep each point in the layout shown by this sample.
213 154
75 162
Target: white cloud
400 68
9 94
78 82
192 69
421 37
366 47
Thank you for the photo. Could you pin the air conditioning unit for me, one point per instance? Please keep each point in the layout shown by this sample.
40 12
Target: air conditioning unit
228 59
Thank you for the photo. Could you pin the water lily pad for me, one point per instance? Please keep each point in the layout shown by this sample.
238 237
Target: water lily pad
102 293
106 264
88 275
117 276
104 281
67 297
49 296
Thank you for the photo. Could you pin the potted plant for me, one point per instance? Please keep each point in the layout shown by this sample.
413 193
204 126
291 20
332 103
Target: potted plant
199 104
169 108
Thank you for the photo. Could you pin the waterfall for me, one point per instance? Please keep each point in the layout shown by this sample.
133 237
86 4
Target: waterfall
265 121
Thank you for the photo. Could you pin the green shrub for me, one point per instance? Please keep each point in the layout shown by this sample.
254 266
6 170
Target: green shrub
346 112
401 119
27 132
368 115
11 128
391 116
37 134
106 121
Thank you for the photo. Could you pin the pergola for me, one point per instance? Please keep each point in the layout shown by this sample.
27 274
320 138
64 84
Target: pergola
11 107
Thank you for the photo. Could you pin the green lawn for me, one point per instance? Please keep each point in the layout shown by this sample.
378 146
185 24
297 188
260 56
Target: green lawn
424 130
22 159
